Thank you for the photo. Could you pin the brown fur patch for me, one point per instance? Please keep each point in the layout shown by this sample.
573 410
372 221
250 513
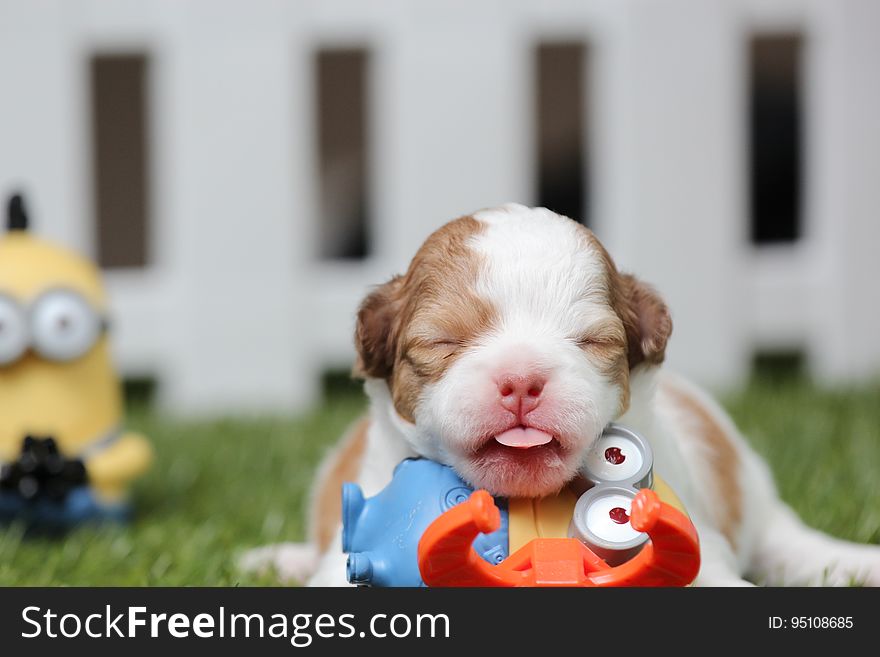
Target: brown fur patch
645 318
414 327
605 343
724 459
341 465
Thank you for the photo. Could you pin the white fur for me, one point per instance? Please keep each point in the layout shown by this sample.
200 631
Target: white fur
546 290
290 562
535 275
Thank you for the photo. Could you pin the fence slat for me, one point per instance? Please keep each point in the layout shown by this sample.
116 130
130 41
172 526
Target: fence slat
674 213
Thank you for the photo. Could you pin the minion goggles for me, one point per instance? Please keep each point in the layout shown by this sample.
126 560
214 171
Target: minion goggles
59 325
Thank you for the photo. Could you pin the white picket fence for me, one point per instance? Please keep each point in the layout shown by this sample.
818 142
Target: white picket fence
236 314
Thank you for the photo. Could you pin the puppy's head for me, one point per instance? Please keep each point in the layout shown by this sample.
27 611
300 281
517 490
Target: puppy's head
508 345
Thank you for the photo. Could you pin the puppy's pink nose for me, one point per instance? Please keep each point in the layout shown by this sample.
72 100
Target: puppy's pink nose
520 394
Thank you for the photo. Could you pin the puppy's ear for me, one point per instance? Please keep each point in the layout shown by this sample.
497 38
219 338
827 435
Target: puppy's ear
378 324
646 319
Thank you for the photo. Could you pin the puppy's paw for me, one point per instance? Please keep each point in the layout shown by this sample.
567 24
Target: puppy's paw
872 569
859 568
292 563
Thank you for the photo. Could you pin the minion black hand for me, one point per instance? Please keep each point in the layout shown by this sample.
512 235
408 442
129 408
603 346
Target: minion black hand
42 472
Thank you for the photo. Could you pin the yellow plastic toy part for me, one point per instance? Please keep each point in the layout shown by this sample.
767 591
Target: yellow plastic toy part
78 401
111 470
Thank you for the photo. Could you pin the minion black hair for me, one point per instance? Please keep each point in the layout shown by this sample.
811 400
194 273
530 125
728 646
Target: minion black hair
16 215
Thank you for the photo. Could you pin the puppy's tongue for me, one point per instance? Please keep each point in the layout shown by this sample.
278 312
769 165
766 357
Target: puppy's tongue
523 437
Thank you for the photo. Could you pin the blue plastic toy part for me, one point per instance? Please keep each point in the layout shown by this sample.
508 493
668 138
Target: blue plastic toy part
381 534
80 505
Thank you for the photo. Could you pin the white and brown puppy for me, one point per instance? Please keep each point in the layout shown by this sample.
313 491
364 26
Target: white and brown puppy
504 350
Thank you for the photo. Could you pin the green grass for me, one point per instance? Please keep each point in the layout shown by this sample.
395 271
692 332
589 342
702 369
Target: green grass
220 487
216 488
824 449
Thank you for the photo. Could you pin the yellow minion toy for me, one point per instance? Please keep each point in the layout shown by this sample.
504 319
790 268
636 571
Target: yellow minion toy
64 457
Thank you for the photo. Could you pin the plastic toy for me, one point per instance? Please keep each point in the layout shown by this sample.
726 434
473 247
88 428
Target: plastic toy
64 457
379 533
428 527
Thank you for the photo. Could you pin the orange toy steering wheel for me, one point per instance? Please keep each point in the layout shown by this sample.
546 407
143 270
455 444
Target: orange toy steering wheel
447 558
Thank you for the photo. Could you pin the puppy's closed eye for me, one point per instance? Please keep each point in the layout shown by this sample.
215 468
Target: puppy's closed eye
601 336
597 341
434 348
447 347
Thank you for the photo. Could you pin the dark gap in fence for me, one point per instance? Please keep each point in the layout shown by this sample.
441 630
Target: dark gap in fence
139 391
120 163
342 117
561 108
779 366
340 383
776 152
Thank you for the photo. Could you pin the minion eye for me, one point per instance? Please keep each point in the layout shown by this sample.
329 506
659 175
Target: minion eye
63 326
13 331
